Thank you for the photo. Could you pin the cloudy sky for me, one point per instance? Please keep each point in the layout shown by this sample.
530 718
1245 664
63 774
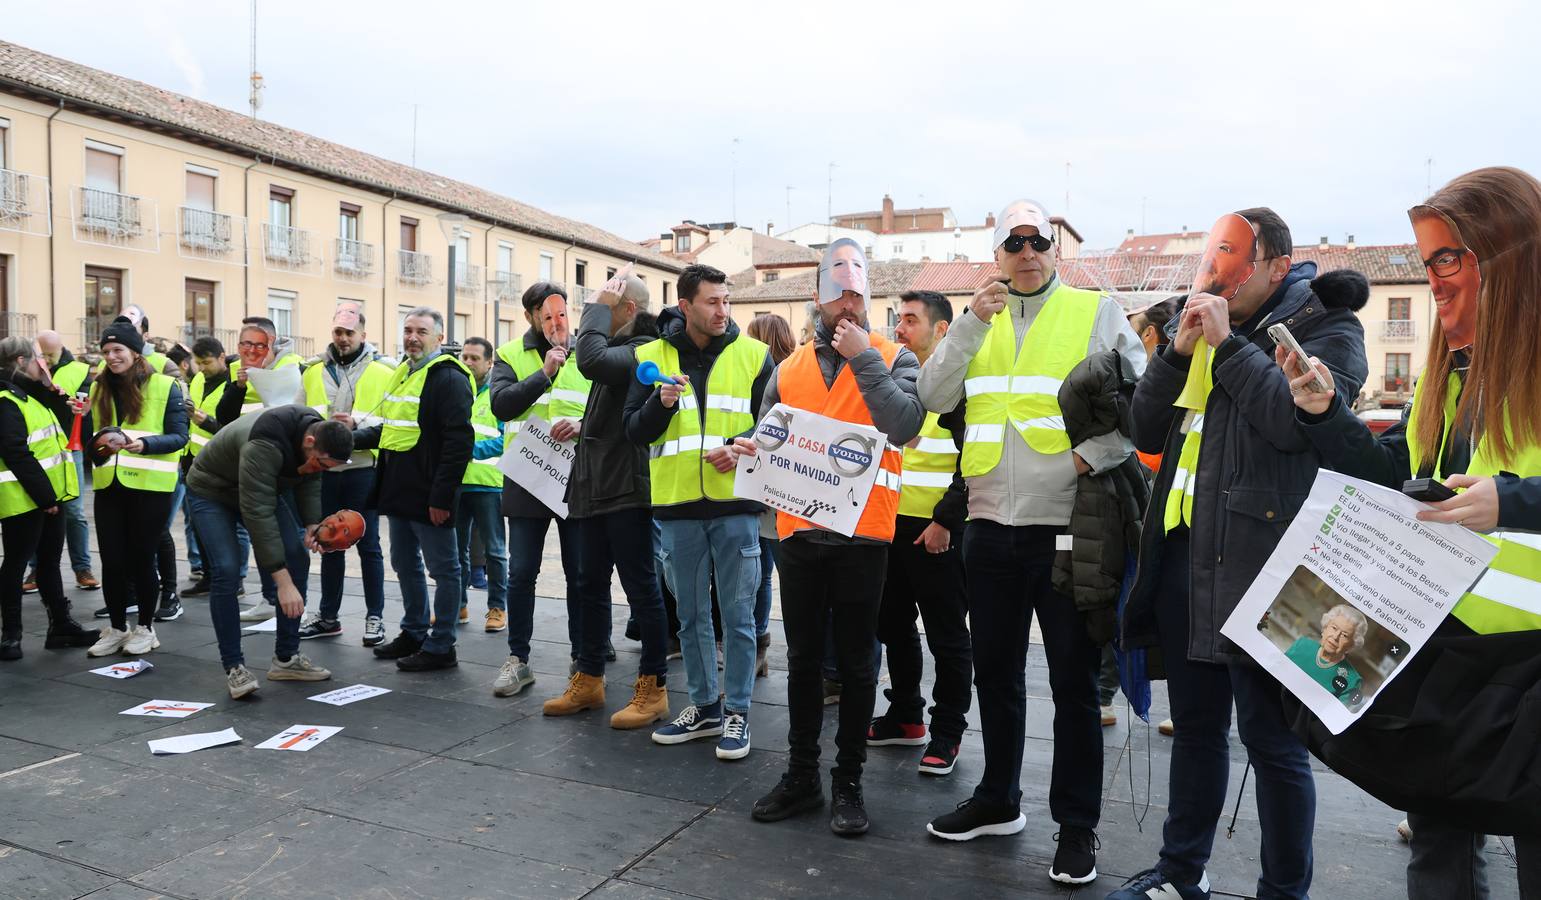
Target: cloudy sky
630 115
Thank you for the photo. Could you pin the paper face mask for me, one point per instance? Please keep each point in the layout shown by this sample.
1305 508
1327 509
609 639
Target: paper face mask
1228 260
843 268
340 530
1454 277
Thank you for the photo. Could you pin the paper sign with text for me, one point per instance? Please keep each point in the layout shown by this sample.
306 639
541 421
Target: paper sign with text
812 466
539 463
127 669
299 737
350 694
1353 591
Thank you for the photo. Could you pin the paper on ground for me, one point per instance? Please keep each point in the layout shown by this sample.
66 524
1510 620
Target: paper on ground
125 669
187 743
269 625
166 709
1357 557
351 694
299 737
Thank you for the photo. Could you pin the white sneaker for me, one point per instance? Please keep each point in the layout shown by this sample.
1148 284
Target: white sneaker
514 677
374 631
241 682
258 612
298 668
110 642
140 641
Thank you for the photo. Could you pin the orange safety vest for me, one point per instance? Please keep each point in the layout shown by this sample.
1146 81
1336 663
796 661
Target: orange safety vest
801 384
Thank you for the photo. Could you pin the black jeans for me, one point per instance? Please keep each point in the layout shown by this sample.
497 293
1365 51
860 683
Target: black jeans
129 524
621 540
932 583
22 536
816 580
1009 579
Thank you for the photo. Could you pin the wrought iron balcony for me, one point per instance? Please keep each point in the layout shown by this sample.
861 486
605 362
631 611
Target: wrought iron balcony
289 248
24 203
413 269
205 234
468 278
17 324
506 286
1398 331
353 259
114 219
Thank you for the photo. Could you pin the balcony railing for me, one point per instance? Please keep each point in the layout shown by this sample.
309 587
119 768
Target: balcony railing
506 287
304 346
205 234
290 249
578 294
1398 331
116 220
354 260
24 203
414 269
468 278
227 337
17 324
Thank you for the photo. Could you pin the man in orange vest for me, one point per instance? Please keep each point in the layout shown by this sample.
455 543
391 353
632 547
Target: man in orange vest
845 373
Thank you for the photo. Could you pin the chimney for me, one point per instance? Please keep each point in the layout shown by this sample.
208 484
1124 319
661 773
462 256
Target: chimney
887 226
989 220
769 228
1324 244
1350 244
1129 233
1185 231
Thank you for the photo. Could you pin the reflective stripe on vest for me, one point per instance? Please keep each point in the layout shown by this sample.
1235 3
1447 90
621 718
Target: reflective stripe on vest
677 467
48 444
1004 385
364 401
483 472
1508 595
403 396
197 436
928 469
800 382
144 472
565 398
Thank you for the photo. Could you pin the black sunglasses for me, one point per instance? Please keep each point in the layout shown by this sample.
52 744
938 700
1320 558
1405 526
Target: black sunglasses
1016 242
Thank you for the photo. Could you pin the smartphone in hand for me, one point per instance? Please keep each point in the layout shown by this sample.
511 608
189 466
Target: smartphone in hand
1429 490
1282 337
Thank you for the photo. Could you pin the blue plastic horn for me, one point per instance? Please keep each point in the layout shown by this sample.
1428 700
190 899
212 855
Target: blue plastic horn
647 373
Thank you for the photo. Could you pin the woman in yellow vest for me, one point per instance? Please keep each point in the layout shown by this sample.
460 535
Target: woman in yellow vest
134 486
37 476
1475 424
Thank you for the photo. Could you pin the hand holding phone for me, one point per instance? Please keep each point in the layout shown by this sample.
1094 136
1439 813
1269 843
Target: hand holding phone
1429 490
1282 337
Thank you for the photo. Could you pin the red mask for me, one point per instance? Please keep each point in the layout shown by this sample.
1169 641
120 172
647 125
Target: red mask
1229 257
340 530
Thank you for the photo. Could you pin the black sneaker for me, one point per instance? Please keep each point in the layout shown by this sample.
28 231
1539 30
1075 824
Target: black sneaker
170 609
633 629
791 795
403 646
609 651
976 818
940 758
848 814
886 732
427 661
316 627
1075 862
101 613
200 588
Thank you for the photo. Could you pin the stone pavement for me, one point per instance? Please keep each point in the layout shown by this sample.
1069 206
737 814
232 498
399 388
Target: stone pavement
439 789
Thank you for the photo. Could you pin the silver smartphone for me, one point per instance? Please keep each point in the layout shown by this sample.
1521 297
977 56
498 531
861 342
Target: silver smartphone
1282 337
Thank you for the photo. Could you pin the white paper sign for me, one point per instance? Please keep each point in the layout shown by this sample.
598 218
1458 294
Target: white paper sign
539 463
351 694
187 743
166 709
812 466
1351 593
299 737
265 625
276 387
127 669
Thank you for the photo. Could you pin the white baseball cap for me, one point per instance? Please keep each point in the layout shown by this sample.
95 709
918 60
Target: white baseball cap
1021 212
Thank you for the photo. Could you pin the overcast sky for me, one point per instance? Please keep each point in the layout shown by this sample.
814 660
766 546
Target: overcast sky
625 114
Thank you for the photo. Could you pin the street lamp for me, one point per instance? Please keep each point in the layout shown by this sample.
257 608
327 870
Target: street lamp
453 225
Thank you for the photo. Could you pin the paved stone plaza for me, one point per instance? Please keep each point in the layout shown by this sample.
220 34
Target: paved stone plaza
438 789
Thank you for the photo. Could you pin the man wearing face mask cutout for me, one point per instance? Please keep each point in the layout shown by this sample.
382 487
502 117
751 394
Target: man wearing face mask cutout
1008 354
1233 474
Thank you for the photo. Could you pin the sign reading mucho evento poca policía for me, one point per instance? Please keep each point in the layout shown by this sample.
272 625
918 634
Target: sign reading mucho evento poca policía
811 466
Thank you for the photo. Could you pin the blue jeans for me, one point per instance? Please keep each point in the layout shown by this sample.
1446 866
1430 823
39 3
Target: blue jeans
526 544
693 552
762 598
413 544
194 557
77 532
484 511
623 541
1201 695
350 490
223 556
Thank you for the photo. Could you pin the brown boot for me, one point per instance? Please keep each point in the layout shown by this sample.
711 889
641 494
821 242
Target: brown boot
762 647
583 692
649 704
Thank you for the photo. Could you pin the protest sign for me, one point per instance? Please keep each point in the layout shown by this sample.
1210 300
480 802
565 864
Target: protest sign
299 738
125 669
277 387
350 694
1353 591
812 466
539 463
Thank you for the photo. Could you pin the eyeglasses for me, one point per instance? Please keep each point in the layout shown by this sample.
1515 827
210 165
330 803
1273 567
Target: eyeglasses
252 345
1016 242
1446 261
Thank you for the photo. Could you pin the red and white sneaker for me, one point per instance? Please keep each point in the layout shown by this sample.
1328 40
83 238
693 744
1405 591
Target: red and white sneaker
884 732
940 758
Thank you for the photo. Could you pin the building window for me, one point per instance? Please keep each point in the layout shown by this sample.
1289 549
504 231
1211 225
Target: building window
898 249
506 258
408 234
771 276
546 261
104 301
347 221
1399 309
200 188
666 286
199 311
104 167
462 259
280 206
682 243
281 306
580 273
1399 372
5 134
609 272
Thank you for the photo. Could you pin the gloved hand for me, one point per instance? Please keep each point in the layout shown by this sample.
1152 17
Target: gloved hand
1101 624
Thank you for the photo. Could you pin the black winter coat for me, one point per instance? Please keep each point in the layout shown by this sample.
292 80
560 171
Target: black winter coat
1256 463
410 482
610 473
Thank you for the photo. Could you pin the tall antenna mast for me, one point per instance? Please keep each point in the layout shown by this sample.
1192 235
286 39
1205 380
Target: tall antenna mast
734 206
829 205
256 77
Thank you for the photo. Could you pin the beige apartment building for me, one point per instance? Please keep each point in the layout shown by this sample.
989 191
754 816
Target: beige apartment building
115 192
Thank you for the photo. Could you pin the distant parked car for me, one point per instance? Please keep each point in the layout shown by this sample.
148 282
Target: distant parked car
1378 420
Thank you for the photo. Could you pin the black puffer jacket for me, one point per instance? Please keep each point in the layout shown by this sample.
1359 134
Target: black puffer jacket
1105 521
1256 463
610 473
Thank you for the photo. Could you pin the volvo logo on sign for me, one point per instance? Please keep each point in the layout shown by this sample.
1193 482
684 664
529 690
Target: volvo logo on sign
851 454
772 434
